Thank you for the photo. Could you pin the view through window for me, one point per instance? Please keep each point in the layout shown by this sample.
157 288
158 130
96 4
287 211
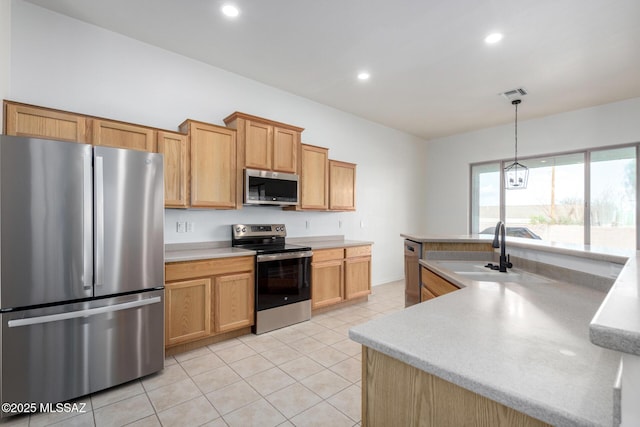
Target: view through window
552 207
613 198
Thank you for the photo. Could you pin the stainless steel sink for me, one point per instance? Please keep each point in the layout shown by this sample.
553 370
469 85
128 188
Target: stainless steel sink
474 270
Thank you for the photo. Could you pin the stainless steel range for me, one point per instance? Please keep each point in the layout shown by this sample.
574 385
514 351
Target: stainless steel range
283 275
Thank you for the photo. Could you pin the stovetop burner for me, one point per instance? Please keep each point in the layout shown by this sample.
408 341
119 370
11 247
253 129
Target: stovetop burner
263 238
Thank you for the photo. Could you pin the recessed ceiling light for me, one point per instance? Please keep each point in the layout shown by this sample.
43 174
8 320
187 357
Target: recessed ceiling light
493 38
230 10
363 75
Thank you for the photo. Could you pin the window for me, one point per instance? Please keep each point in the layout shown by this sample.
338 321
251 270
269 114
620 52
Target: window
486 196
613 198
552 207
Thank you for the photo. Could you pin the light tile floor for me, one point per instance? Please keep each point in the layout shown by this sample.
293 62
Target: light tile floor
307 374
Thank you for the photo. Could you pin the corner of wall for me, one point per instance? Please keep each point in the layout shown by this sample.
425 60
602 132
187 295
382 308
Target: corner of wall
5 52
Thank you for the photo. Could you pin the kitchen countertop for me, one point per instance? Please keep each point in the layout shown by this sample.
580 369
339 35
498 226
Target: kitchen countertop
471 238
204 250
176 252
616 325
523 345
327 243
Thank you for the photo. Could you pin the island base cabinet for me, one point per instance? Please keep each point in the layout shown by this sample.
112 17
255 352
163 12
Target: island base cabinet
394 393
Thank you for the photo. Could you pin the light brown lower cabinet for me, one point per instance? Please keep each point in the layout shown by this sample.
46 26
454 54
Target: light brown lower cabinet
234 302
326 282
433 286
188 311
339 275
397 394
207 297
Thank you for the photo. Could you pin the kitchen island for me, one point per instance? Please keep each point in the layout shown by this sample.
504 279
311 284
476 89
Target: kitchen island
495 353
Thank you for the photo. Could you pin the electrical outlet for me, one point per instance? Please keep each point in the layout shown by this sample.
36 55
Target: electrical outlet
189 227
308 224
181 226
361 223
339 223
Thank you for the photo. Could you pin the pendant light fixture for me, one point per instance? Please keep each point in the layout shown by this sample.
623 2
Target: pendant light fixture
516 175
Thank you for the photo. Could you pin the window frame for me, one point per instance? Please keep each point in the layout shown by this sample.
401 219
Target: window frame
587 186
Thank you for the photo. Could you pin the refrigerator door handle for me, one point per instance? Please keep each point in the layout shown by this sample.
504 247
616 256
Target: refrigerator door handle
81 313
87 225
99 220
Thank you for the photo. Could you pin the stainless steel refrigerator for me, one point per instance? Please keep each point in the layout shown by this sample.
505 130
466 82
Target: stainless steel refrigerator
81 268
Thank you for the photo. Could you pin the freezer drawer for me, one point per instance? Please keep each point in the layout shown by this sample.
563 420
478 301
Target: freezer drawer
59 353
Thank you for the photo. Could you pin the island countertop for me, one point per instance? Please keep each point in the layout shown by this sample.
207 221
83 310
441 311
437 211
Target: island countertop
523 345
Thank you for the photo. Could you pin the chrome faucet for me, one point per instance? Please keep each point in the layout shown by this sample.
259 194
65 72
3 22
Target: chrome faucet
505 261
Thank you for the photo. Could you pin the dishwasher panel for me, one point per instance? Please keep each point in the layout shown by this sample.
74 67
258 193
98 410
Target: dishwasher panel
412 254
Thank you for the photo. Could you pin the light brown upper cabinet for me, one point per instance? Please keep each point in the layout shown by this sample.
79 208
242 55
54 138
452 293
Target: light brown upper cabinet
39 122
213 165
265 144
342 186
314 177
175 149
123 135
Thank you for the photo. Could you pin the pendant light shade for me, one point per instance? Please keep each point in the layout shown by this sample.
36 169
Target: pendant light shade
516 175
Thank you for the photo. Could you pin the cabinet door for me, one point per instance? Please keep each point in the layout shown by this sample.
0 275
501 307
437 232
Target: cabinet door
25 120
174 148
435 284
187 310
123 135
357 277
314 177
326 283
258 145
425 295
342 186
234 301
213 166
285 149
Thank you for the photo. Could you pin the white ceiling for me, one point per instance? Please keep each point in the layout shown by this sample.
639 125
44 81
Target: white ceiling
431 72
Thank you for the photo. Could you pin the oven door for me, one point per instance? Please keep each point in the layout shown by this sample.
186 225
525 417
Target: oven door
282 278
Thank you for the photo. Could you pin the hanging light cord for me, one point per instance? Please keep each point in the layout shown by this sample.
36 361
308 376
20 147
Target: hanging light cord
516 102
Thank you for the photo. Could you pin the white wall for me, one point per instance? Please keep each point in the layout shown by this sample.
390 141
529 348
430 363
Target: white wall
448 159
5 51
64 63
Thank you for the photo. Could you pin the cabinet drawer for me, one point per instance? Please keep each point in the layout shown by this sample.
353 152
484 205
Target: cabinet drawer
327 255
209 267
357 251
436 284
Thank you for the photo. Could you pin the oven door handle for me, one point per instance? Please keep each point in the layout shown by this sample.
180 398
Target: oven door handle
284 255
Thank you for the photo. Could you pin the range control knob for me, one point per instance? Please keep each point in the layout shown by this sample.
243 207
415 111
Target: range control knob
244 229
237 229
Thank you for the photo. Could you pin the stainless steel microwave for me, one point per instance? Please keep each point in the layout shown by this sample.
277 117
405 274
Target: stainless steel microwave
270 188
